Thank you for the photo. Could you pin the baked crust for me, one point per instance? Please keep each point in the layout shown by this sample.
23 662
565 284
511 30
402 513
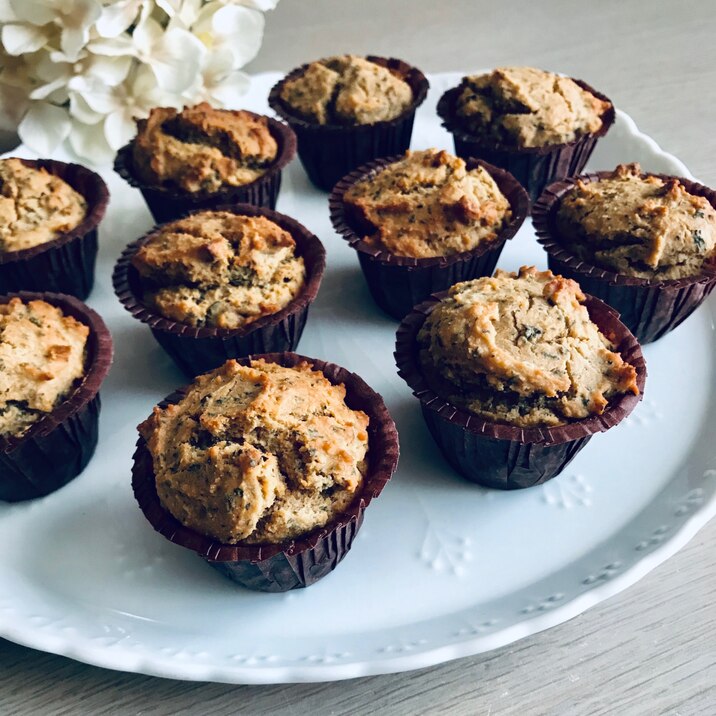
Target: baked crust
428 204
258 453
202 148
520 349
42 356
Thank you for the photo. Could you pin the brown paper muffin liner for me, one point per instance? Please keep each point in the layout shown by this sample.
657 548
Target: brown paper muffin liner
198 350
65 264
56 448
397 283
329 151
533 167
302 561
504 456
166 203
648 307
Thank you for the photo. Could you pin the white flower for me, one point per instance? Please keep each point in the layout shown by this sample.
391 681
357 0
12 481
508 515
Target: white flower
57 74
89 143
117 17
219 83
174 55
230 27
15 86
44 127
119 106
74 17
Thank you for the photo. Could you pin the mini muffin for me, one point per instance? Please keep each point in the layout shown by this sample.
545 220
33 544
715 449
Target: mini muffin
644 243
516 372
425 220
201 157
538 125
54 353
49 212
222 284
348 110
264 467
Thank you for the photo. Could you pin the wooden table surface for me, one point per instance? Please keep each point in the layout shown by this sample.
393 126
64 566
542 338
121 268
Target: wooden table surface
650 650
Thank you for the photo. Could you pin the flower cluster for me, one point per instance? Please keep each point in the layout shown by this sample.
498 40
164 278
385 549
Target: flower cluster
83 70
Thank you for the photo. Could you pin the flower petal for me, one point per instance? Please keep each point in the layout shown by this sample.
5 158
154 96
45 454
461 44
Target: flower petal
21 39
119 129
113 47
36 12
177 59
79 109
263 5
241 29
117 17
89 143
226 93
44 127
72 41
7 14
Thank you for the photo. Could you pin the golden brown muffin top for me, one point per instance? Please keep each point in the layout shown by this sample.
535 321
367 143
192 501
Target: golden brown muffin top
258 453
220 269
638 225
429 204
520 349
35 206
42 355
347 90
525 107
202 148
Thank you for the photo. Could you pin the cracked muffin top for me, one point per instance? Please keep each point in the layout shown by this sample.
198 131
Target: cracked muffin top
42 356
258 453
429 204
35 206
219 269
347 90
638 225
520 349
526 107
202 148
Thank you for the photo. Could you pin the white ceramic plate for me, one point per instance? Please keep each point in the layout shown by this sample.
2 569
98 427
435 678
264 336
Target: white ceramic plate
441 568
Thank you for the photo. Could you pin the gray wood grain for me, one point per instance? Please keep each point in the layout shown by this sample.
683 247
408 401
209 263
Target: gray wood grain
651 650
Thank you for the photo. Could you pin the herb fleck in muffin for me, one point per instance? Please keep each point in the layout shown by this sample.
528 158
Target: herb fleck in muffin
219 269
202 148
520 349
347 90
42 356
258 453
35 206
638 225
526 107
429 204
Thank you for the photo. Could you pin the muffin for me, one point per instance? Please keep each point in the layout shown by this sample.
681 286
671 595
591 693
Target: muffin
516 372
265 466
222 284
348 110
54 352
535 124
644 243
49 213
425 220
201 157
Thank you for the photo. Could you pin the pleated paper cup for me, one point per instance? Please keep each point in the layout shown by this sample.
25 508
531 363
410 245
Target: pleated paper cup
648 307
57 448
298 562
329 151
504 456
397 283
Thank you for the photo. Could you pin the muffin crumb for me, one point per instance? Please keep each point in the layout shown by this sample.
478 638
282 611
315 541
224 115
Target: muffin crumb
527 107
347 90
428 204
219 269
258 453
638 225
35 206
520 349
42 356
202 148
